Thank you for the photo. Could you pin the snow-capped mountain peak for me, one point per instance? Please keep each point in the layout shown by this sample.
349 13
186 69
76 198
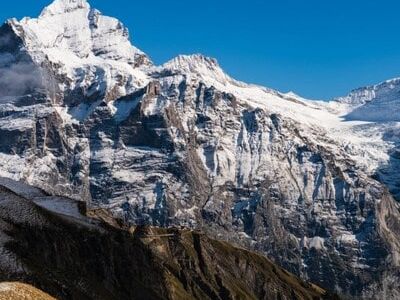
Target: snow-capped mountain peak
92 52
192 63
63 6
198 65
366 94
71 25
375 103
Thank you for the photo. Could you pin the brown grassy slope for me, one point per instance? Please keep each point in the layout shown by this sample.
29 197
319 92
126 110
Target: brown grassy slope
21 291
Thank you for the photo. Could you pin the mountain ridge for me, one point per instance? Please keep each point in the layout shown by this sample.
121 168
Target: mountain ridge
73 256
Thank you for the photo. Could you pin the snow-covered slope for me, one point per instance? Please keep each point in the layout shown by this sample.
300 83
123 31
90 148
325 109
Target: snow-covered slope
377 103
185 144
90 52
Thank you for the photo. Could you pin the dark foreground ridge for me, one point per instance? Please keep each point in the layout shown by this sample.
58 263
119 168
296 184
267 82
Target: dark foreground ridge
77 257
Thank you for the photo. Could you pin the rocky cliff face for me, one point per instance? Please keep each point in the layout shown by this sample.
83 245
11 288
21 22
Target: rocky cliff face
47 242
185 144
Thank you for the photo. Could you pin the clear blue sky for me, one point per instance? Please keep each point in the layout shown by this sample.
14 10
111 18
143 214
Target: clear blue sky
316 48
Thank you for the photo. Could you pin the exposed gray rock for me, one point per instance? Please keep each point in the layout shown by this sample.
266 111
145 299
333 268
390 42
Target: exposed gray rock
184 144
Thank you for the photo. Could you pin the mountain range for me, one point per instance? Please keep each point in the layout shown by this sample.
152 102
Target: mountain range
313 185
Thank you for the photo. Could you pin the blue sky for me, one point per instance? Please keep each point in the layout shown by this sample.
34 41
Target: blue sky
317 48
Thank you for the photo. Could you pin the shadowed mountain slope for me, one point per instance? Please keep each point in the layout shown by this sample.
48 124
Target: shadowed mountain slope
71 256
